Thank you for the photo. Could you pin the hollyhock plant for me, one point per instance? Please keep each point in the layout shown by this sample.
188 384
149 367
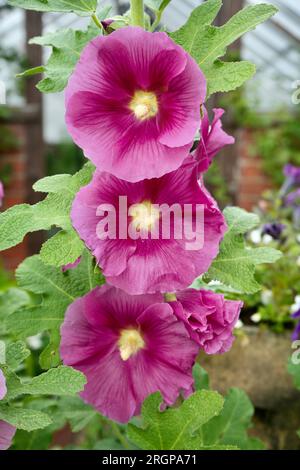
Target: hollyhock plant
149 265
133 103
208 317
128 347
7 431
213 139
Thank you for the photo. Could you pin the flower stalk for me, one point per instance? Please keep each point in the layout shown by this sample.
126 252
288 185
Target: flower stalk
137 13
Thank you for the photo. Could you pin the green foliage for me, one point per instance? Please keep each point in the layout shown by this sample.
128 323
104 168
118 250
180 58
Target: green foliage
54 210
231 425
157 5
294 370
235 264
176 428
57 381
280 284
67 45
208 43
80 7
56 290
21 418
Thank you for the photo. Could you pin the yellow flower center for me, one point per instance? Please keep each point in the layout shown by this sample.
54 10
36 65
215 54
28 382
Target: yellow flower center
130 342
144 215
144 104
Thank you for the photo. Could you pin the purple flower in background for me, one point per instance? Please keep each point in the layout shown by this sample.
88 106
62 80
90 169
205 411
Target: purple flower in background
213 139
133 103
296 332
293 200
1 193
273 229
292 174
208 317
7 431
128 347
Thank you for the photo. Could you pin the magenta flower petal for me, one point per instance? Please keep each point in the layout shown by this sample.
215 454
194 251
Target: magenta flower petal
209 318
150 265
213 139
133 103
68 266
7 432
3 389
122 371
1 193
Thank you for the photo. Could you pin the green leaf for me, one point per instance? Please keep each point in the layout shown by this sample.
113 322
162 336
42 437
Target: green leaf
208 43
52 184
227 76
80 7
35 440
57 291
60 381
67 45
235 264
189 35
231 425
157 5
16 353
201 379
175 428
294 370
23 418
76 412
54 210
215 41
63 248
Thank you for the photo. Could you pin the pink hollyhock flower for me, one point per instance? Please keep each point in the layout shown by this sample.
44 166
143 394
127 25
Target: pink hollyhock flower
133 103
128 347
213 139
7 431
149 265
68 266
1 193
209 318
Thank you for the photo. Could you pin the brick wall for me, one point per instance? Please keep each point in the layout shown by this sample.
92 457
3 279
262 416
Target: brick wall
13 161
251 181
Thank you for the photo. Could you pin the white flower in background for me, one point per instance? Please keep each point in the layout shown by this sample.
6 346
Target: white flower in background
266 239
298 238
35 342
239 324
298 261
296 304
266 296
256 317
255 236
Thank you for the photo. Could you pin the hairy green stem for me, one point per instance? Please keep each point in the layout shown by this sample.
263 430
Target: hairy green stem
156 21
97 22
137 13
118 434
